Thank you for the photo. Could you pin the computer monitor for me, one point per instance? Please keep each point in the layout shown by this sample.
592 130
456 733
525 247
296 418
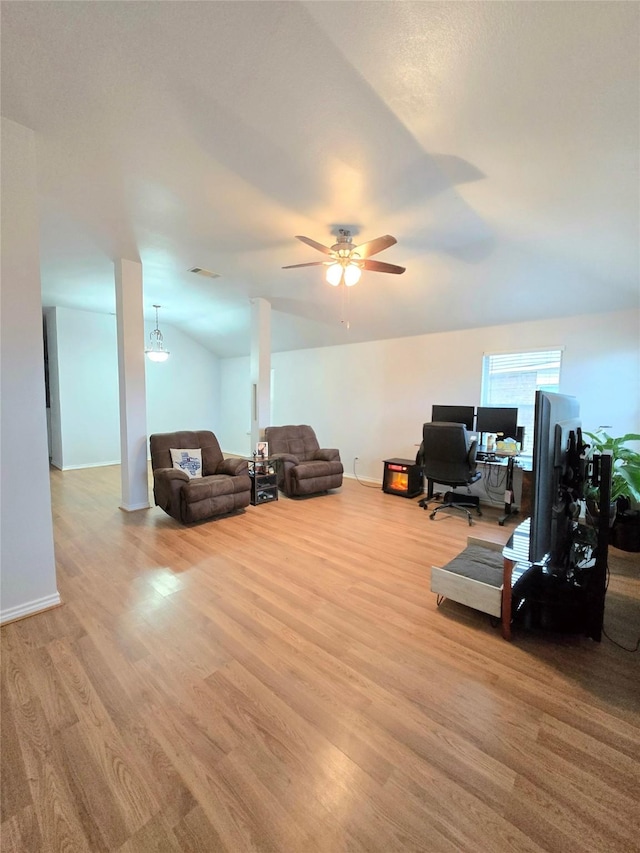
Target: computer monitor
454 414
498 420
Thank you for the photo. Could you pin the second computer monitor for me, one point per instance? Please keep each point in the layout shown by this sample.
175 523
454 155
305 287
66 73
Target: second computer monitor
497 420
454 414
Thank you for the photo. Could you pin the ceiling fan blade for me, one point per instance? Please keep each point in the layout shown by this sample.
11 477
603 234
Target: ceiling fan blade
380 266
312 264
374 246
314 245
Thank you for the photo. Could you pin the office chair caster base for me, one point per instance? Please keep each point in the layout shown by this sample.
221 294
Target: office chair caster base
432 514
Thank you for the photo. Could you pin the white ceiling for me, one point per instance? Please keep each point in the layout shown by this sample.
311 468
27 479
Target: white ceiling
497 141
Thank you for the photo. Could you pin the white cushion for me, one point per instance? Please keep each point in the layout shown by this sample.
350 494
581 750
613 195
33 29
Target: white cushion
189 461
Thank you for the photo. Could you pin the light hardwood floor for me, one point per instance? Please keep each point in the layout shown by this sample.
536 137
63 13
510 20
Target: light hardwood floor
282 680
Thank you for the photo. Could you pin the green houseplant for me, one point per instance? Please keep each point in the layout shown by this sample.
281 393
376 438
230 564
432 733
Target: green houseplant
625 475
625 487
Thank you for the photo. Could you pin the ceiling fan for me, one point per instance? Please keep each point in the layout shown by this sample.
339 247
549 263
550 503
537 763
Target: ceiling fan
347 260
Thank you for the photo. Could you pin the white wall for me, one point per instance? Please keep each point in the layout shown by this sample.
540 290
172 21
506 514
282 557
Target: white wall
182 393
234 419
370 400
27 569
83 367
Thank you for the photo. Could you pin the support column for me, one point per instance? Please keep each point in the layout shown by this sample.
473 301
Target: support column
131 376
27 560
260 368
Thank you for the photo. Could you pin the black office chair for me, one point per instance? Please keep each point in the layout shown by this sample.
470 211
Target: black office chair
449 457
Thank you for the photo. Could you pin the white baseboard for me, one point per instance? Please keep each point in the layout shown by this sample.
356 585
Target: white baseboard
29 608
134 507
377 482
86 465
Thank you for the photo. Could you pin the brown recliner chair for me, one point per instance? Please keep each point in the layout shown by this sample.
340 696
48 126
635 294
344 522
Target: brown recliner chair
304 468
225 485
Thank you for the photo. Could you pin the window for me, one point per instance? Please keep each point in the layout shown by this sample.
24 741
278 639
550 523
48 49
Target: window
512 379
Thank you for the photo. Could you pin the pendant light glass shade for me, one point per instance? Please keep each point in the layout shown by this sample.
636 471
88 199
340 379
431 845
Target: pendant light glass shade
343 271
334 274
157 354
156 351
352 275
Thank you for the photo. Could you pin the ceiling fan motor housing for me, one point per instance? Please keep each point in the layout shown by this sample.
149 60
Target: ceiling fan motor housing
344 246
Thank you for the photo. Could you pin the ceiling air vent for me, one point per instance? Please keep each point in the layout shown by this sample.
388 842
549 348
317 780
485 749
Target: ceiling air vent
205 273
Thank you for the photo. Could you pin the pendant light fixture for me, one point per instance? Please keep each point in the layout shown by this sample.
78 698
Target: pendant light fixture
344 269
352 273
156 350
334 274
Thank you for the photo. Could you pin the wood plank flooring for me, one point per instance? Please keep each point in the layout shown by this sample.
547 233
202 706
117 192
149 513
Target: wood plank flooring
282 680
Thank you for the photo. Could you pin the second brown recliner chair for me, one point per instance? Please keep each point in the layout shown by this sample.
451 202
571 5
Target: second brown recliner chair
304 468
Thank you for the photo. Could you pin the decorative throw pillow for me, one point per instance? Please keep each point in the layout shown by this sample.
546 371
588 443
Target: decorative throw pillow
189 461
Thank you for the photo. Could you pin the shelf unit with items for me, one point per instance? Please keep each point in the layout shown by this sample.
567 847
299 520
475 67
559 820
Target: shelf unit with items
264 481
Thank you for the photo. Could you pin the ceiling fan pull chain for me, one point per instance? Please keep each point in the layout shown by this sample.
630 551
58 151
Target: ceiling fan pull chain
345 306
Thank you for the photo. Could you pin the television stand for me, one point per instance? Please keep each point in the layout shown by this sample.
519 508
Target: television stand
507 585
558 599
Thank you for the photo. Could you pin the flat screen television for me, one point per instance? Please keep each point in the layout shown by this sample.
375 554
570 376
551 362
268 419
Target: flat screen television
556 426
498 420
454 415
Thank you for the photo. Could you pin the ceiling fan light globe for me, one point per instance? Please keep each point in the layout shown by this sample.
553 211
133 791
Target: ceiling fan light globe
157 355
334 274
352 275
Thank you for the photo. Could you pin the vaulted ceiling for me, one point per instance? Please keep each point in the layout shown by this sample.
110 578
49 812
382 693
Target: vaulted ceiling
498 142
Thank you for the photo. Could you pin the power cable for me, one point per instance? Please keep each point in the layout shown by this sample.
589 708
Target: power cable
492 489
366 485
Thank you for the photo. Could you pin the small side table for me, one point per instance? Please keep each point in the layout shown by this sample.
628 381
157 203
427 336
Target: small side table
264 481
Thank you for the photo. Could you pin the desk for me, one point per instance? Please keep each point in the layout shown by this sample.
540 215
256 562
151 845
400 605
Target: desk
511 465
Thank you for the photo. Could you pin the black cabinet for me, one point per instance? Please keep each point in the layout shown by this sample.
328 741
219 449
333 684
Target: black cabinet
264 482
